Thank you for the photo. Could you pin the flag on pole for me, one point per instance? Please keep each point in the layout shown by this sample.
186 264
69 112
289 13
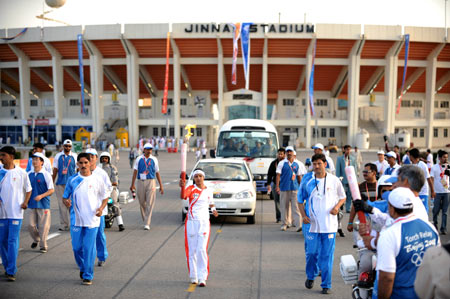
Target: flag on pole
80 65
236 36
245 47
404 72
311 81
166 83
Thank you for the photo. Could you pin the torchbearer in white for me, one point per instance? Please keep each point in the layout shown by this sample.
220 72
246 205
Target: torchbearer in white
197 227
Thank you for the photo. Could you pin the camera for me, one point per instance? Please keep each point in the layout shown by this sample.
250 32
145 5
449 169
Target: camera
446 169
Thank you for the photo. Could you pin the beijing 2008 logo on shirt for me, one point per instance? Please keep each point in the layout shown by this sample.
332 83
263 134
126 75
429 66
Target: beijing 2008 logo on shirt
195 195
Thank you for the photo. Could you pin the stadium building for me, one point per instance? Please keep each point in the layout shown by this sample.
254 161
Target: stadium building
357 82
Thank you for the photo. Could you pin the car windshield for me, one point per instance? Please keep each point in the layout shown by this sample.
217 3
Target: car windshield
223 171
247 144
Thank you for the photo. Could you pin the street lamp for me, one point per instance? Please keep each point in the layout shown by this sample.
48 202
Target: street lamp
32 129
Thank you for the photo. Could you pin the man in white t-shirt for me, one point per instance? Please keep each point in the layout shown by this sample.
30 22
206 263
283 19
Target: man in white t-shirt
429 159
428 187
319 149
381 163
15 192
325 195
440 176
88 196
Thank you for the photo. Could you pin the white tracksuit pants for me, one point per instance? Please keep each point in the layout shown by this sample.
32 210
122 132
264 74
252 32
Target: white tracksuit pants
196 238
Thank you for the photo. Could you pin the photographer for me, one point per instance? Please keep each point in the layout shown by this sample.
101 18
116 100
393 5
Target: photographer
440 175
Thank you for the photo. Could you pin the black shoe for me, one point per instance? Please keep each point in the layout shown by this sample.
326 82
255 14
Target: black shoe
100 263
341 233
33 245
81 275
278 221
11 277
299 229
43 249
326 291
443 232
320 274
309 284
87 282
121 228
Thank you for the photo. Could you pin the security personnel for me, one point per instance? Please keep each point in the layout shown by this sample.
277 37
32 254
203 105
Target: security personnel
197 228
64 166
15 192
393 166
146 168
102 251
39 205
88 196
39 148
113 174
401 247
325 195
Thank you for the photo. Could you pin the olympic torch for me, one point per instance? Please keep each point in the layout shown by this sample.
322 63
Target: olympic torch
353 185
184 156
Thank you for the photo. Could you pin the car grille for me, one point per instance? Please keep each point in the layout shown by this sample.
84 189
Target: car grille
226 211
222 195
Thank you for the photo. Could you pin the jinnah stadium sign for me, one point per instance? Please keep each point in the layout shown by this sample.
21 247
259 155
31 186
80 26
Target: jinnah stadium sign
254 28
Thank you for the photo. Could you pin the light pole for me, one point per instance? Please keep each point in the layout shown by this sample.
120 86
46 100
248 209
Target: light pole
32 129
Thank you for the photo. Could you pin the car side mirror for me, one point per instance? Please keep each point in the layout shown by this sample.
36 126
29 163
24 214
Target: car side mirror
212 153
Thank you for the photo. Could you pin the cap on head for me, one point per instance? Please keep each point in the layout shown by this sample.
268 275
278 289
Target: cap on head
383 180
39 155
381 152
290 149
391 179
67 142
105 154
391 154
92 151
148 146
401 198
318 146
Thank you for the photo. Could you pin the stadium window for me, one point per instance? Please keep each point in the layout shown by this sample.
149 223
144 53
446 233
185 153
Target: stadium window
445 133
169 102
322 102
314 132
155 131
87 102
183 101
13 103
406 103
198 132
396 131
416 103
444 104
436 132
415 133
324 132
332 132
303 102
33 103
163 132
74 102
422 132
288 102
171 132
436 104
5 103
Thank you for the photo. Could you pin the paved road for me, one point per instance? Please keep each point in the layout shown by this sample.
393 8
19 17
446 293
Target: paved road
246 261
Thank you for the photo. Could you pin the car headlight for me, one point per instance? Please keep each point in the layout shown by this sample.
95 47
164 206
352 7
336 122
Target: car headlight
244 194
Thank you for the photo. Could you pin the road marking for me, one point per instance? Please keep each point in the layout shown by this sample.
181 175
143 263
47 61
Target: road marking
166 183
191 288
219 231
51 236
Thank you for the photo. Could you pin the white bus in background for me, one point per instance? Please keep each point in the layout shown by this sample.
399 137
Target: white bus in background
253 140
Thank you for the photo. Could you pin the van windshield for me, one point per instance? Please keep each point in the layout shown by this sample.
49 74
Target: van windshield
247 144
219 171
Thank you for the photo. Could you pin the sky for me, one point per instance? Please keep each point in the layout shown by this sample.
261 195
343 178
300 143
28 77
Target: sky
422 13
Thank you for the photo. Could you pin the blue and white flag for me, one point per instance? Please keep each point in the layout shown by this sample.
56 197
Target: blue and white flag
80 64
404 72
245 46
311 82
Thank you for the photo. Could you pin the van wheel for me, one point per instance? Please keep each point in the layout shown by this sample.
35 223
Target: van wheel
251 219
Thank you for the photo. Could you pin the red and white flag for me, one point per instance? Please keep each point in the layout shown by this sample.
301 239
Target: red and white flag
236 36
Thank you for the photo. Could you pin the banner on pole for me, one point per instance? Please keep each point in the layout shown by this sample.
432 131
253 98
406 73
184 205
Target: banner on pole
166 82
245 47
236 36
80 65
311 82
404 72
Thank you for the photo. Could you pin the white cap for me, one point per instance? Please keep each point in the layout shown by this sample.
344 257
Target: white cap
380 152
148 146
67 141
105 154
37 154
318 146
384 180
92 151
290 148
392 155
401 198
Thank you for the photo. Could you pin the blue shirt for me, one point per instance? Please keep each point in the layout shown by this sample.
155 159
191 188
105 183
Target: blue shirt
41 182
66 166
302 195
146 168
288 175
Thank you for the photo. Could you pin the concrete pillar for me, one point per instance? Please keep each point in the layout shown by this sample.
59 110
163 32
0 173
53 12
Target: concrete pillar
97 114
58 94
133 98
176 94
353 95
429 100
25 86
264 82
390 91
308 106
220 72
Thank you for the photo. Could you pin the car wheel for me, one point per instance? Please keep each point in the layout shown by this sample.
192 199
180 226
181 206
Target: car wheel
183 216
251 219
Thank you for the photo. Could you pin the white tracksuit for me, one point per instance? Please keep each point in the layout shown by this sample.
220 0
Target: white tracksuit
196 232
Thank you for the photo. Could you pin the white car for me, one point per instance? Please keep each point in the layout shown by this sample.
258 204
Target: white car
233 187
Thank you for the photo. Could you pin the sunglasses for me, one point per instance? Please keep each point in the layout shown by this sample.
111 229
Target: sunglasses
366 171
67 146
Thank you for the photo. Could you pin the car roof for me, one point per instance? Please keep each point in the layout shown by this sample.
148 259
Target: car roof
220 160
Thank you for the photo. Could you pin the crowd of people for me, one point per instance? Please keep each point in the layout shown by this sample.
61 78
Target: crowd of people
395 194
